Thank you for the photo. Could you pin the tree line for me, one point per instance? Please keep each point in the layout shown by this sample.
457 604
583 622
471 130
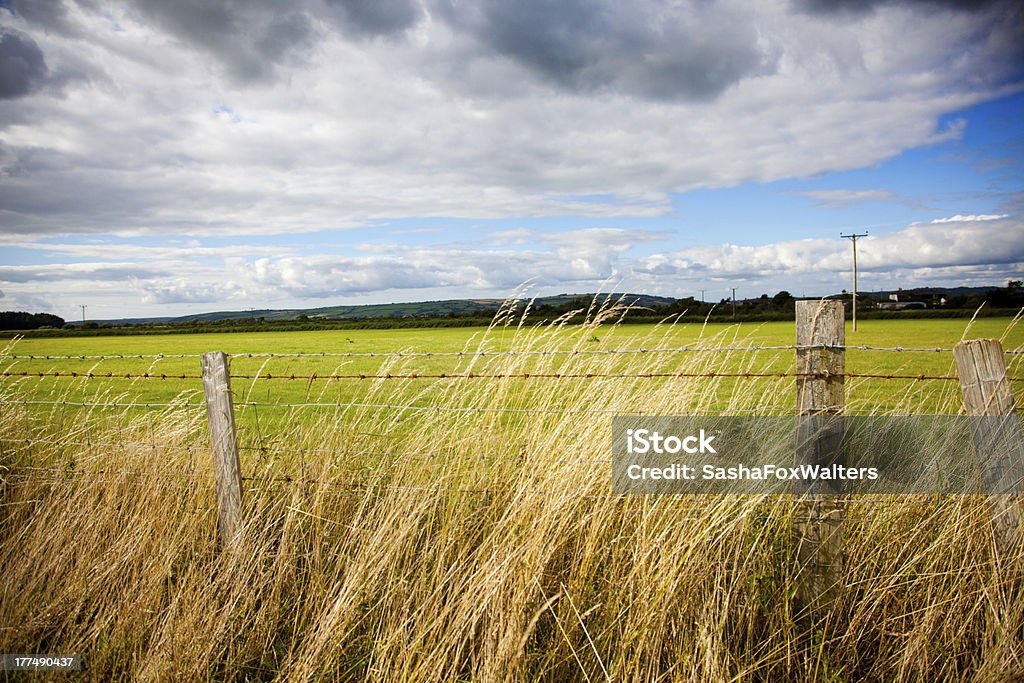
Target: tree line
20 320
780 306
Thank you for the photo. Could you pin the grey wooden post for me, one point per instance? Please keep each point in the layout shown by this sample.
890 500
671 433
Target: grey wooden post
821 398
223 443
997 442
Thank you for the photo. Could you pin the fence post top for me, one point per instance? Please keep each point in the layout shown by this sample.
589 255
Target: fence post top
986 341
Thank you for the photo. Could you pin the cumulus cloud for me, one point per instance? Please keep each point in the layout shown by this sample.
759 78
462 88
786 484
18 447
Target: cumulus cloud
51 15
965 243
649 49
866 6
343 113
227 118
22 64
375 17
181 291
249 38
960 252
407 270
589 258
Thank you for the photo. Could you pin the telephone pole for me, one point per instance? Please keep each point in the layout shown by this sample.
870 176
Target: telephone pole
734 302
853 238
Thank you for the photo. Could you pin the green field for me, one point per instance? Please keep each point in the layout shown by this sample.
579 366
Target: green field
436 529
271 407
880 333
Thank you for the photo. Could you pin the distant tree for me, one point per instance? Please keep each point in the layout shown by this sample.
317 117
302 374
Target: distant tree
783 298
48 320
20 320
1011 296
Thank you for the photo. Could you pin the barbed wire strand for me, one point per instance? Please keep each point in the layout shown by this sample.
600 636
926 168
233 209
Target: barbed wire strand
187 407
175 481
108 404
600 375
89 443
477 354
500 375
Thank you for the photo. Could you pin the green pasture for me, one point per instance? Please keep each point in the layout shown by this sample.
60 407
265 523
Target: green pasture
883 333
282 415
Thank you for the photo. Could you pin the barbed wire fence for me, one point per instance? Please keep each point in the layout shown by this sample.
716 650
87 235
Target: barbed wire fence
182 430
195 406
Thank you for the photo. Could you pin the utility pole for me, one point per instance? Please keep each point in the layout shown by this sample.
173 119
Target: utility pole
853 238
734 302
702 296
83 312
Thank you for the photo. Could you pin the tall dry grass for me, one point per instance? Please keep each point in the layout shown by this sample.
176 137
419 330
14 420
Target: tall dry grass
476 544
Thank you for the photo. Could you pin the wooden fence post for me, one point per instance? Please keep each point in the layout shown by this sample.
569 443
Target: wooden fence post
820 367
221 416
987 393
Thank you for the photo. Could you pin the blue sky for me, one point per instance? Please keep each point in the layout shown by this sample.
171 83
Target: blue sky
169 158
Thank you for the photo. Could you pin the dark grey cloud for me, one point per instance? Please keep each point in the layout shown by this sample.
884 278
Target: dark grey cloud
22 64
858 7
48 14
680 51
375 17
250 38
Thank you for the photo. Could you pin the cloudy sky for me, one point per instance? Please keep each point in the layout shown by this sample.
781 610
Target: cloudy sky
164 158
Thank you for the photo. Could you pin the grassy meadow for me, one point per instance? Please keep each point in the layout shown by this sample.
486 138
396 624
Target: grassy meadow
439 529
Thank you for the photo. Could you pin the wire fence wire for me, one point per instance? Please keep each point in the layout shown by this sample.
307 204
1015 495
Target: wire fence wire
144 478
62 435
502 375
769 409
491 354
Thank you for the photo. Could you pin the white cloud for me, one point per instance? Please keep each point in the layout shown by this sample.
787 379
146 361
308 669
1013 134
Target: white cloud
970 218
840 197
166 130
961 244
181 291
151 121
952 253
587 259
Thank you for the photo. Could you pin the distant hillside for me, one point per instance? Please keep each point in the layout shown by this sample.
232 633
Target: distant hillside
417 309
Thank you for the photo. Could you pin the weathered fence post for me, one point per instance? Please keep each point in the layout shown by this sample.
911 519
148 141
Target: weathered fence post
221 416
987 393
820 367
